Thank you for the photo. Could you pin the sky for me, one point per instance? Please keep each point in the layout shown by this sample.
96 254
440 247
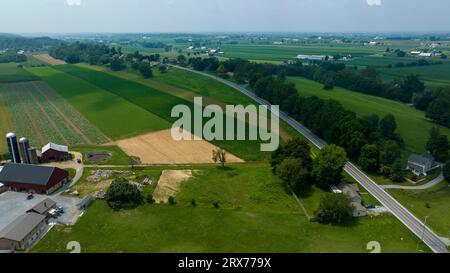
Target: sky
75 16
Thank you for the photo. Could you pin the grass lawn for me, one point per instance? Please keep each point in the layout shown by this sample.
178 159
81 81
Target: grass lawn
113 115
255 215
433 202
411 123
118 157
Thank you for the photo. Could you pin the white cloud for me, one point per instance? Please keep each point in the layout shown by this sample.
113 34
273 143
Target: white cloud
374 2
73 2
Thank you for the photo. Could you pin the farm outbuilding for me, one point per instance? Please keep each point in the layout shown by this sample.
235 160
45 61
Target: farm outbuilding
54 152
33 178
44 207
22 232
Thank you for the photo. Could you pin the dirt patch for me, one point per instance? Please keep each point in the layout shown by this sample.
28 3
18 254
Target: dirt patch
161 148
48 59
169 184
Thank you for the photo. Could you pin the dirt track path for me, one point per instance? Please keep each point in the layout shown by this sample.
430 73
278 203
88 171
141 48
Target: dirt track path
64 117
27 112
49 119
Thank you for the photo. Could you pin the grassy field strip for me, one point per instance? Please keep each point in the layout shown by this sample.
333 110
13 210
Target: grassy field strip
67 121
11 73
431 74
22 118
5 122
411 123
51 119
83 128
115 117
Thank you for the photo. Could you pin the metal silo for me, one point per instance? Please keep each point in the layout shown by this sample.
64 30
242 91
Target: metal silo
24 146
11 139
32 153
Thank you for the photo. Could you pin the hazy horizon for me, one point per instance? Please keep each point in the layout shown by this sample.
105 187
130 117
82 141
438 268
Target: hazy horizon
226 16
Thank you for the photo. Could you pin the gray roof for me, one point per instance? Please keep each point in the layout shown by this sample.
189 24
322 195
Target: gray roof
43 206
21 226
26 173
425 159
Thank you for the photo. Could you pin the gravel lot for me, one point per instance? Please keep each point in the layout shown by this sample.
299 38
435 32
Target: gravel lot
14 204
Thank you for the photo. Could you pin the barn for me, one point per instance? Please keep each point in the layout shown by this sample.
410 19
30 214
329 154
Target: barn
33 178
54 152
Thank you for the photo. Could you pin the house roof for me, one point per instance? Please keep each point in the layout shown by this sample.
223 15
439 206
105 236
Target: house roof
424 160
26 173
18 229
43 206
56 147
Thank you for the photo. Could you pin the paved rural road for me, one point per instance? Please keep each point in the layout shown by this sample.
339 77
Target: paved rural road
425 186
430 238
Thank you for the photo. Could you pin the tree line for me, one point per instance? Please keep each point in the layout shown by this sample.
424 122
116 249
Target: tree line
410 89
16 42
11 56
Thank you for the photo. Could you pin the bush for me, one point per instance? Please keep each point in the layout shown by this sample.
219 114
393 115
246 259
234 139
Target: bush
446 170
216 205
150 199
193 203
171 200
122 194
335 208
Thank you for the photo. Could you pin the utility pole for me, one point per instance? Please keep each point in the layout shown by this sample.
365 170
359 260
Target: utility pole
423 232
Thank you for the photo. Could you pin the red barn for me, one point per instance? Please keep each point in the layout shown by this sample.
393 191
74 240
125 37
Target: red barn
54 152
33 178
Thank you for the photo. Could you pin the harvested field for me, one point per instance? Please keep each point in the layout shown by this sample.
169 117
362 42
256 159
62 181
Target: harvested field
169 184
48 59
161 148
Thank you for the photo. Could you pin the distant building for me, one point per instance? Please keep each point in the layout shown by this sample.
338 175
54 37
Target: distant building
426 54
415 53
312 57
33 178
22 232
54 152
421 164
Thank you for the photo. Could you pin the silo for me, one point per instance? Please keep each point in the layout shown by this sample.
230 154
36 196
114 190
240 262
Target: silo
11 139
24 145
32 153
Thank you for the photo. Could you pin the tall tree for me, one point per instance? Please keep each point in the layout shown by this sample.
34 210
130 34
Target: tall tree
328 166
438 145
335 208
369 158
388 125
295 148
293 173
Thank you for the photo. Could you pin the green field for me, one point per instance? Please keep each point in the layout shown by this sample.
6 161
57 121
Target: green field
40 114
5 125
113 115
255 215
412 125
11 73
160 103
432 203
432 75
272 52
